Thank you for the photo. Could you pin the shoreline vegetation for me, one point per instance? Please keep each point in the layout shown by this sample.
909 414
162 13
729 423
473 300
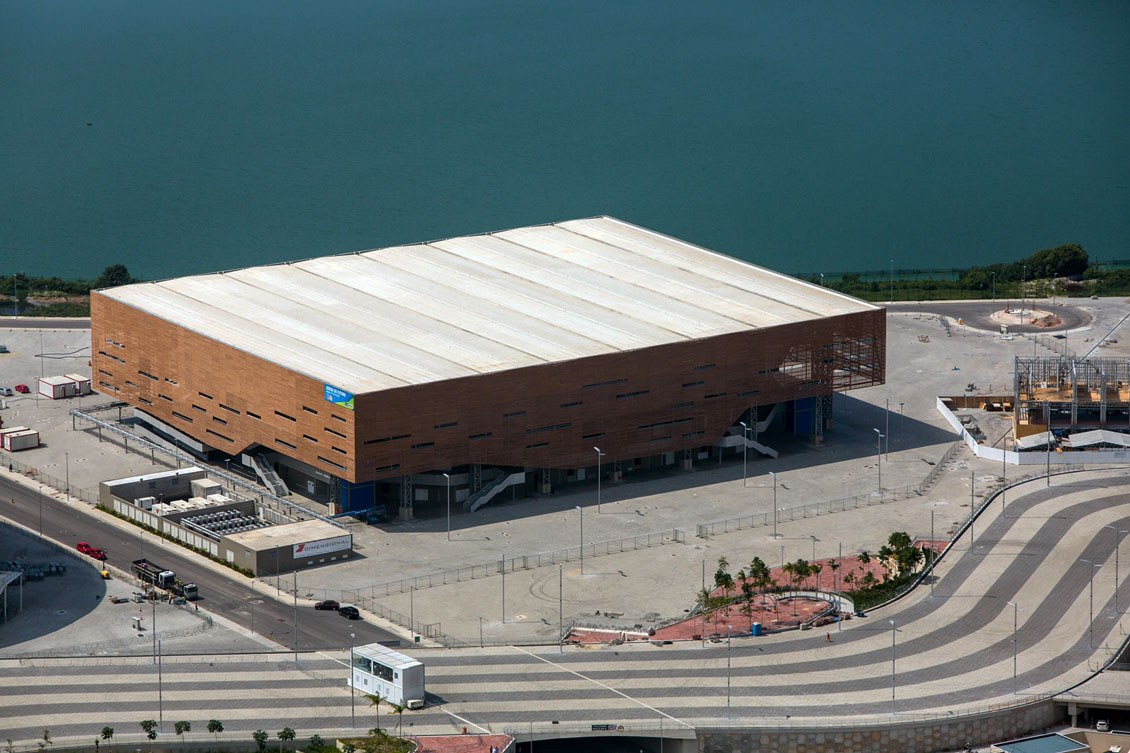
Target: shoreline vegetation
1064 271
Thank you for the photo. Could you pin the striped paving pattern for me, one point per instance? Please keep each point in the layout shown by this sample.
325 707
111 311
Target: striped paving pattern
953 651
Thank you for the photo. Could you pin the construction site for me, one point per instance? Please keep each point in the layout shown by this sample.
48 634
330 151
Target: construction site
1072 403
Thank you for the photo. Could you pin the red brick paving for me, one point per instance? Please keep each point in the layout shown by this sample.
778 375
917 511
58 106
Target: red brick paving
773 614
463 743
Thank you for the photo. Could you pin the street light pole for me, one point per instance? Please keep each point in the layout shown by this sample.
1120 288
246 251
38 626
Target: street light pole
774 475
1118 534
892 280
581 515
887 428
1015 617
67 456
446 476
814 540
728 637
599 455
879 458
1091 625
40 509
352 696
745 443
893 631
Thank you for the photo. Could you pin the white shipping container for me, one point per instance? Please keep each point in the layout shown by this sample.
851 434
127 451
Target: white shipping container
82 384
56 387
21 440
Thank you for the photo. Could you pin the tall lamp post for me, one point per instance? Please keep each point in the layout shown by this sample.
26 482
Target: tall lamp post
581 515
599 455
1091 622
1015 618
446 476
67 457
1118 534
745 444
887 428
352 696
879 457
728 636
775 534
894 629
814 540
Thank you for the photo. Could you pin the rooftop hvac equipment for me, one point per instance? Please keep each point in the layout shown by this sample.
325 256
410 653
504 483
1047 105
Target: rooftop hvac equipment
145 503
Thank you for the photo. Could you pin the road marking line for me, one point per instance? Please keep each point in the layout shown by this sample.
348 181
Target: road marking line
620 693
466 721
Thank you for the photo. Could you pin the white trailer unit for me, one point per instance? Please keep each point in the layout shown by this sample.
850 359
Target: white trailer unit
21 440
57 387
397 678
82 384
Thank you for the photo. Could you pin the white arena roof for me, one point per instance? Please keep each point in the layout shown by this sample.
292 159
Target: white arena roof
406 315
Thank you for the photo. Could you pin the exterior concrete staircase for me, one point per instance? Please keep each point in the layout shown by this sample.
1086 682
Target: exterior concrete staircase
266 474
491 490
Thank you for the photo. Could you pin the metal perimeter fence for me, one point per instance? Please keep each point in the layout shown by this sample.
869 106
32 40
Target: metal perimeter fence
46 479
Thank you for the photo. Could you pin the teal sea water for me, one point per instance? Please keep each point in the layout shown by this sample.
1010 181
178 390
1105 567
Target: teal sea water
805 136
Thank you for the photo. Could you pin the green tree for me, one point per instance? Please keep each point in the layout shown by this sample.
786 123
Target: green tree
286 734
398 709
113 276
181 727
47 737
149 726
375 702
107 734
215 726
316 742
260 738
722 578
864 558
760 574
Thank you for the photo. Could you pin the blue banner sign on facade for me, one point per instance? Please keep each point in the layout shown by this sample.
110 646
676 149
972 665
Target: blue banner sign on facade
339 397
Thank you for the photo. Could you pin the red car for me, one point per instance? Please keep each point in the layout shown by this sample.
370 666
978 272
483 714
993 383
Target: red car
90 551
23 388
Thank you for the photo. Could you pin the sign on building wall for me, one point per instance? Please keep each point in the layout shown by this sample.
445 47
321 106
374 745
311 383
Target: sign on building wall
325 546
339 397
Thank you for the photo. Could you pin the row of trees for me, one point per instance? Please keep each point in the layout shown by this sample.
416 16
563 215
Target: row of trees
899 557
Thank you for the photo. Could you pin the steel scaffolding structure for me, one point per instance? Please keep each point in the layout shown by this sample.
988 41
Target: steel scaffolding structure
1070 394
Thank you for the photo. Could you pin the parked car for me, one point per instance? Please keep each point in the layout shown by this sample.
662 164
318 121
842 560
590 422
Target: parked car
1102 725
23 388
90 551
349 612
3 348
6 391
329 604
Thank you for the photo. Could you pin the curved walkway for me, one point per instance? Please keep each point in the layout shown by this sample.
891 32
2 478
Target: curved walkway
945 648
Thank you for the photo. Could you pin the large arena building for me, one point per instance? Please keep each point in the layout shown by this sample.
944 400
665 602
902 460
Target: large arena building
516 360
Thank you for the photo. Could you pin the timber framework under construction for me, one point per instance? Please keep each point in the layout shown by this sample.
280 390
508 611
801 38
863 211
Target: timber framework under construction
1068 395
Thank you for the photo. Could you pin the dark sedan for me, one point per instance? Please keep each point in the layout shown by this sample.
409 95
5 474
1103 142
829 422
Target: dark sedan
328 604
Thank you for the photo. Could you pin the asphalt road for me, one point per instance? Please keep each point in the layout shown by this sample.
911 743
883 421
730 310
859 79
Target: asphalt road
28 322
979 314
230 597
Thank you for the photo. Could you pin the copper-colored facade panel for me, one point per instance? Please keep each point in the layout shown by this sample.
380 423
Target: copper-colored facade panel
636 404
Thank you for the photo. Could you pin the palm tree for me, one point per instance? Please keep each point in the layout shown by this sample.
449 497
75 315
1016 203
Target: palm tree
215 726
150 728
398 709
107 734
285 734
375 702
260 738
181 727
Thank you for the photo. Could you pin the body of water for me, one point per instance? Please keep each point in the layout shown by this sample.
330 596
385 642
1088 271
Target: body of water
805 136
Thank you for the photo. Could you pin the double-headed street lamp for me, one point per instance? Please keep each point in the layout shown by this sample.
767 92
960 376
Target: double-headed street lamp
581 515
1091 623
1015 617
446 476
1118 534
352 697
879 457
894 629
774 475
599 455
745 445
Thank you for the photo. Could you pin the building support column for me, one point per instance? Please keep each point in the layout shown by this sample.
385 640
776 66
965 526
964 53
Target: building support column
476 478
545 485
407 497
